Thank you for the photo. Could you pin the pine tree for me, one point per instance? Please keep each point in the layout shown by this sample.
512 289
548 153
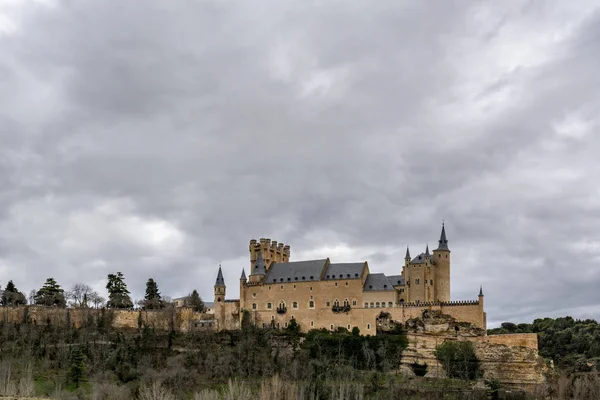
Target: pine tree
51 294
12 297
118 295
152 299
194 301
77 366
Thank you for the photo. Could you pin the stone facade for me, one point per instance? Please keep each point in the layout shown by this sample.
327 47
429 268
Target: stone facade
321 294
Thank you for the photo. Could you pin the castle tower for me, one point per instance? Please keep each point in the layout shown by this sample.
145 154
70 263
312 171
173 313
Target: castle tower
271 252
441 258
259 270
220 287
243 285
406 262
483 314
220 300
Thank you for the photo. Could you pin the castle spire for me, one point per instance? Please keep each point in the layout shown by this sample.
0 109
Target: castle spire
427 251
481 291
243 277
443 242
220 281
407 256
259 266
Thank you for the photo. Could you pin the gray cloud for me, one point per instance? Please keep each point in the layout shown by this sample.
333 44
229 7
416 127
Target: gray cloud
158 139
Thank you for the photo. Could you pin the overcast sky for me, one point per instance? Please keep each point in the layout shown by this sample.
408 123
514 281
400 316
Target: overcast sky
158 137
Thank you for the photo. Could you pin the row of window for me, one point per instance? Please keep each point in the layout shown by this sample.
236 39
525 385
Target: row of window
378 304
418 281
281 287
303 278
311 304
312 324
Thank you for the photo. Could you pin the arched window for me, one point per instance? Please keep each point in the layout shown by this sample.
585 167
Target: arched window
331 326
353 302
269 306
348 326
254 306
346 302
311 304
372 304
377 304
295 304
366 305
368 326
336 303
312 323
401 300
390 304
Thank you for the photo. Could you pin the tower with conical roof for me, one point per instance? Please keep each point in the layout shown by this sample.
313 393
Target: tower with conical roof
220 287
441 259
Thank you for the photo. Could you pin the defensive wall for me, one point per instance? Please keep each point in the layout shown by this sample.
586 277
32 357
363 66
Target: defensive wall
179 319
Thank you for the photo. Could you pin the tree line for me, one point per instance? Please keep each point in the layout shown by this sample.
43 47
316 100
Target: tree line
83 296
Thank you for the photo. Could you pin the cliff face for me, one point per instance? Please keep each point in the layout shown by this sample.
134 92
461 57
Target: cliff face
512 359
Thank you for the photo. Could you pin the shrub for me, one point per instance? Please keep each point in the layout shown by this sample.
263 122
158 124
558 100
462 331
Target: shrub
459 360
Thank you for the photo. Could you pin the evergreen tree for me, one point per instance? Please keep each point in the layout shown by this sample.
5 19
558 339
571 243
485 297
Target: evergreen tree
12 297
194 301
51 294
77 366
118 295
152 299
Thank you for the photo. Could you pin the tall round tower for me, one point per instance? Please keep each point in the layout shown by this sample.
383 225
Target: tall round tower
441 258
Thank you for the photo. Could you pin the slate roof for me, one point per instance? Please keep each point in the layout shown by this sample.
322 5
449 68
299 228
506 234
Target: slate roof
377 282
297 271
396 280
443 242
420 259
259 266
344 271
243 277
220 281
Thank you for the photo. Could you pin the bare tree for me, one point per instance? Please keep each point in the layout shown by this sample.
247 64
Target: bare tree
95 299
79 294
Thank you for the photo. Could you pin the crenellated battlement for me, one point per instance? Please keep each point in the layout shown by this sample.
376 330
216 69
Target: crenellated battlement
441 303
271 251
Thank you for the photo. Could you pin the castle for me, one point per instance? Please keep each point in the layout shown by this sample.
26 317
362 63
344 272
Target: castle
321 294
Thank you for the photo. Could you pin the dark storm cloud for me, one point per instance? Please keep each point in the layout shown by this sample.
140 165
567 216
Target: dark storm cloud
159 139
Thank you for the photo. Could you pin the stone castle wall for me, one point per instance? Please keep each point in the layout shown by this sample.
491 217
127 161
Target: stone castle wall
180 319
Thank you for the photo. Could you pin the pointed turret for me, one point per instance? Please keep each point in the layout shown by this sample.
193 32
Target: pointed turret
243 277
443 242
481 291
259 266
220 281
407 256
427 251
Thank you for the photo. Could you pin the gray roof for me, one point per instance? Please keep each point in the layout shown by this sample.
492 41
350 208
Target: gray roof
259 266
377 282
396 280
209 304
443 242
243 277
220 281
420 259
297 271
407 253
344 271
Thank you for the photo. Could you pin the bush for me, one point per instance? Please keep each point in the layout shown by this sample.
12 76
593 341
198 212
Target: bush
459 360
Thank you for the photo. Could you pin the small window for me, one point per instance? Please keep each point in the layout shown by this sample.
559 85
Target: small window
356 275
390 304
274 279
281 287
296 278
368 326
353 302
310 288
254 306
446 255
431 281
311 304
346 302
348 276
331 326
312 323
401 290
269 287
294 286
426 281
303 278
336 284
336 303
346 283
348 326
333 276
384 286
272 317
327 304
377 304
254 295
370 287
327 276
295 304
372 304
289 279
366 305
311 277
281 280
417 281
269 306
285 325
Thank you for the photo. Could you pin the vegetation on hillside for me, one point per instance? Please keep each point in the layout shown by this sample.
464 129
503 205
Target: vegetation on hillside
573 345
